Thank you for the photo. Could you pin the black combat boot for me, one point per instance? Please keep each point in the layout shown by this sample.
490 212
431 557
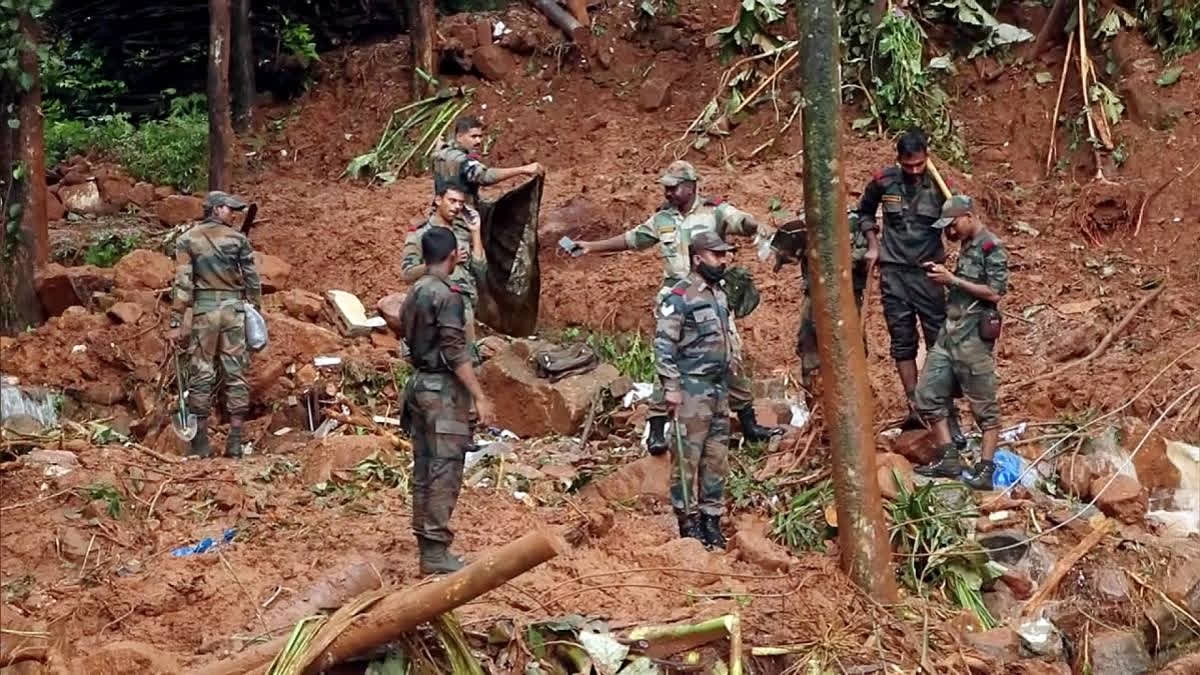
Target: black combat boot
200 446
980 477
656 444
710 531
949 465
233 441
751 430
956 434
689 527
436 558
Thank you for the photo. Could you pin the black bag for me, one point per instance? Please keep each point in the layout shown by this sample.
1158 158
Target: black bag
554 363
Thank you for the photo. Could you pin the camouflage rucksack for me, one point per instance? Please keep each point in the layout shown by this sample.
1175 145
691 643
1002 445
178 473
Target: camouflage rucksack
740 291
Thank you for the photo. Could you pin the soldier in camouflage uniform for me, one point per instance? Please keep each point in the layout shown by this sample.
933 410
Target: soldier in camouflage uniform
214 277
806 337
673 227
963 351
695 350
438 398
471 269
912 203
458 161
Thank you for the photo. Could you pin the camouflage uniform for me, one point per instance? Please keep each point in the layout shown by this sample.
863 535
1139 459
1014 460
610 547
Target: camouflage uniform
806 337
908 240
214 275
694 346
437 404
453 164
673 231
468 275
960 355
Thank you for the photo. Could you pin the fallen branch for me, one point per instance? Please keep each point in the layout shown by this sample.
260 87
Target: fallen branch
1142 209
1063 566
1104 344
1062 85
667 640
562 19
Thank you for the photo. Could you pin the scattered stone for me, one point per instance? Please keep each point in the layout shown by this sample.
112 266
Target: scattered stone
74 177
1112 584
1154 468
82 198
126 312
890 468
490 346
303 305
916 445
144 399
644 476
296 340
752 546
164 191
141 194
1001 602
1163 627
1076 473
54 208
654 94
1000 646
530 406
101 393
492 61
385 341
176 210
341 453
389 308
61 287
1124 499
145 270
47 458
273 271
1115 653
1075 343
135 658
73 544
117 192
623 385
1184 665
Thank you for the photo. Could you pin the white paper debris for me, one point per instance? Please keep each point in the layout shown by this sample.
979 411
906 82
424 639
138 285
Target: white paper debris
640 391
1013 434
324 361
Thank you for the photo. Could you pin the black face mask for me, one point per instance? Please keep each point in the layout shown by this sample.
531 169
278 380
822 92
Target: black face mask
711 273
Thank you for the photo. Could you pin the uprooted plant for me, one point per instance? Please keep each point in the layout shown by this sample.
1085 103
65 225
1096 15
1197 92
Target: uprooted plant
411 135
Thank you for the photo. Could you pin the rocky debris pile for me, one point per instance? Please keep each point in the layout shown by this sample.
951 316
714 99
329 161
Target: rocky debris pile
79 188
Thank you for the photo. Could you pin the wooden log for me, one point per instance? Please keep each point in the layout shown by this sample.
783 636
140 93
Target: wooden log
408 608
422 23
562 19
220 124
1063 566
243 66
579 11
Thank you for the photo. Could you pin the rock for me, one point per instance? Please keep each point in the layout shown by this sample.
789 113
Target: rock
655 93
752 546
117 192
492 61
1154 468
144 269
164 191
1075 343
889 467
1000 646
141 194
74 176
1163 627
299 341
1076 473
73 544
1111 584
130 658
389 308
1001 602
179 209
1184 665
303 305
644 476
1124 499
61 287
341 453
101 393
917 446
144 399
530 406
385 341
1115 653
82 198
490 346
273 271
126 312
54 208
51 458
623 385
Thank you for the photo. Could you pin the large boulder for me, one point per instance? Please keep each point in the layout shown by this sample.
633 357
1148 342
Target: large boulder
273 271
60 287
530 406
1123 498
82 198
893 472
655 93
142 194
131 658
341 453
648 475
179 209
144 270
54 208
493 62
303 305
1115 653
117 192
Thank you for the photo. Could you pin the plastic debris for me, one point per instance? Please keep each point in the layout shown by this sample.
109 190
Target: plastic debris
205 545
1013 434
1009 469
639 392
1041 637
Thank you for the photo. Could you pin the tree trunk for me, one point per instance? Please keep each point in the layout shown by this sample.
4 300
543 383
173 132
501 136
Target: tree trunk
422 25
220 127
1053 27
26 245
243 66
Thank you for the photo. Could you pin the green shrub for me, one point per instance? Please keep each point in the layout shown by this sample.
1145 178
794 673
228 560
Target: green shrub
108 248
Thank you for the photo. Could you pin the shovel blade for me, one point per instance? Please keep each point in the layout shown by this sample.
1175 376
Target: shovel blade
184 425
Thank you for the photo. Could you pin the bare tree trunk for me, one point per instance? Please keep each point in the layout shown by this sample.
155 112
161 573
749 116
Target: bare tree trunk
422 24
1053 27
243 66
220 127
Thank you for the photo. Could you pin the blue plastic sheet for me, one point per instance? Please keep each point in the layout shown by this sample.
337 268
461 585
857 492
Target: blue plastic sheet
1008 468
205 545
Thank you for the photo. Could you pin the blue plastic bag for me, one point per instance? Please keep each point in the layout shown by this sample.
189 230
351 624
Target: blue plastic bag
1009 467
204 545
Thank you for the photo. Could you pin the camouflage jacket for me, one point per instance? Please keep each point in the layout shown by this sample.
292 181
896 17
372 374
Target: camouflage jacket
453 164
214 264
433 325
470 272
673 230
694 336
983 260
908 215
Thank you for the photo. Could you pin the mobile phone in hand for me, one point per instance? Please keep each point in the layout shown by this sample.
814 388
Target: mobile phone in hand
567 244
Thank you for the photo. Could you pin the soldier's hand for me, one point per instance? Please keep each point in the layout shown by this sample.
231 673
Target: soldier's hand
535 169
939 274
872 257
472 221
585 247
673 400
483 408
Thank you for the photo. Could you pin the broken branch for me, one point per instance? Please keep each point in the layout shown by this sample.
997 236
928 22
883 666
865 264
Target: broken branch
1060 570
1062 85
561 18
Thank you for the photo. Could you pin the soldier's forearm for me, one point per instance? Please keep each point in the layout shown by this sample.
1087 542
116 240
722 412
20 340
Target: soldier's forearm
499 175
612 244
981 291
413 273
466 374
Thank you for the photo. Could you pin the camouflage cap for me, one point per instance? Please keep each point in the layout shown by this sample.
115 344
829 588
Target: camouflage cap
217 198
709 241
958 205
678 172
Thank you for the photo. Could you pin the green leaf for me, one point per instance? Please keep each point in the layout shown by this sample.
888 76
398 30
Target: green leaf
1169 76
25 80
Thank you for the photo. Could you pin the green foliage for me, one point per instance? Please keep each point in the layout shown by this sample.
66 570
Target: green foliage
802 527
1172 25
751 27
297 39
110 247
65 137
12 43
109 495
632 354
73 81
649 10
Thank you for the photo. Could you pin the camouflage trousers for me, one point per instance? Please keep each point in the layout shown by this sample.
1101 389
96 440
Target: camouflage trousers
959 358
437 409
219 335
908 296
702 463
740 394
806 336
